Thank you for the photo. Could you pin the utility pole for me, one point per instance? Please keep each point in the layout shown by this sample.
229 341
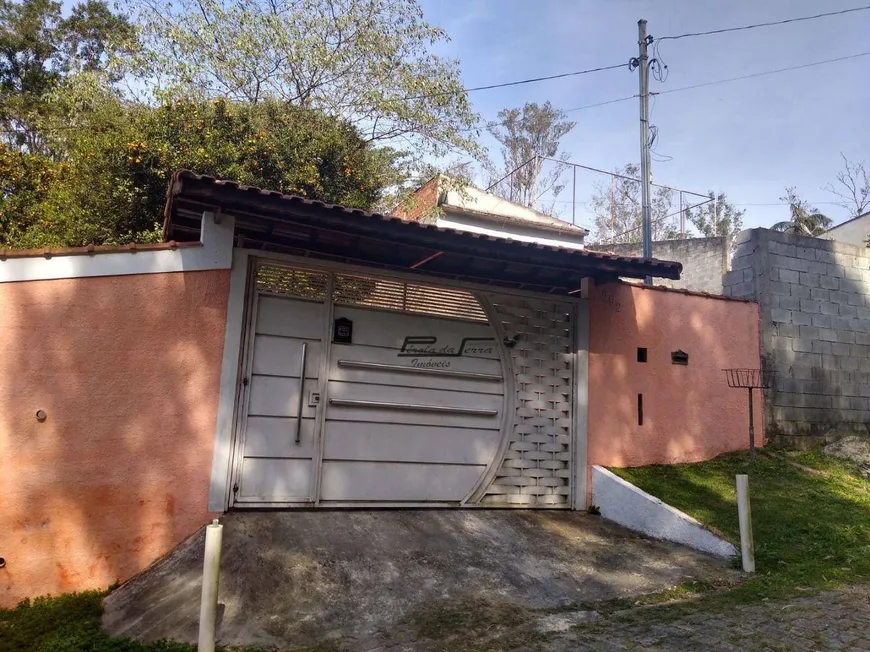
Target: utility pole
682 219
643 70
574 196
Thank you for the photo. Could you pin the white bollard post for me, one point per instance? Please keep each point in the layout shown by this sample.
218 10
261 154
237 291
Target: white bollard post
744 514
210 579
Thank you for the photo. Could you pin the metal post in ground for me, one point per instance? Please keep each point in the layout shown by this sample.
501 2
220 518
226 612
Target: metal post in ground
744 515
751 429
750 379
210 579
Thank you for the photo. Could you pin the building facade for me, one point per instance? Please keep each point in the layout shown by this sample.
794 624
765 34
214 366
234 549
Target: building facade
854 232
282 353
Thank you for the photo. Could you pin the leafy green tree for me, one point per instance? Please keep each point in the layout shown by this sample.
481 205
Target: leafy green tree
526 134
111 186
805 219
717 218
25 180
339 100
367 61
39 48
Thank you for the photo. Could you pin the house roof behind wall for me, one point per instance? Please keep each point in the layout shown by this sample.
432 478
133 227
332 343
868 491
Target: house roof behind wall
271 221
480 203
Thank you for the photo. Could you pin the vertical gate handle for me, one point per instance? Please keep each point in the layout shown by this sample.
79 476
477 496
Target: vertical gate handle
301 393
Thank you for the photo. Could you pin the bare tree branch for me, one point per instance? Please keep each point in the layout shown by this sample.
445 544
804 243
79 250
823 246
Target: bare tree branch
853 187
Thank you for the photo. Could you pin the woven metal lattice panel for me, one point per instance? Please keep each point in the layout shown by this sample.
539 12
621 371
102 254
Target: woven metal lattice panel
536 469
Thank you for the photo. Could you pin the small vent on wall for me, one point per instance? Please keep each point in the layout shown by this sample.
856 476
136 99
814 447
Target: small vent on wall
679 357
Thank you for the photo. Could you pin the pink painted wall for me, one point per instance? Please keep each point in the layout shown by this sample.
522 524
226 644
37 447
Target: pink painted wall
127 369
689 413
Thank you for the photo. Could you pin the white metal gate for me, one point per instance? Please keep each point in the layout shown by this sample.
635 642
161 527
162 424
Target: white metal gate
277 444
407 407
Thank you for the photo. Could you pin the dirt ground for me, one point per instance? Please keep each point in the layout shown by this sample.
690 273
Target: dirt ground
853 448
367 580
830 620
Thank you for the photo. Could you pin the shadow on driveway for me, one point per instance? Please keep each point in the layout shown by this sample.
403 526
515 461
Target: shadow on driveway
302 577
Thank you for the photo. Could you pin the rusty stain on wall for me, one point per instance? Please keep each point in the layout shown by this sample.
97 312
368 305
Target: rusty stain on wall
127 369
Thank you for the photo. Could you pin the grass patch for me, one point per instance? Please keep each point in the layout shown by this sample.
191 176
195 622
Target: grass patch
71 623
812 531
683 591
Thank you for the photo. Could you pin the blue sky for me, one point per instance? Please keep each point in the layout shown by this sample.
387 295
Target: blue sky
749 138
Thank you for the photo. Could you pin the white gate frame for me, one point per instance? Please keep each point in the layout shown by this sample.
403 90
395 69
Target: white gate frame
231 388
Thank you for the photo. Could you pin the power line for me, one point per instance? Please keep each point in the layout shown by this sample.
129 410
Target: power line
762 74
655 220
614 101
418 97
724 81
768 24
514 83
785 203
58 128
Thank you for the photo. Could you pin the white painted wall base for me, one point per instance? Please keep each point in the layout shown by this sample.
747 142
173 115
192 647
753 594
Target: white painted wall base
623 503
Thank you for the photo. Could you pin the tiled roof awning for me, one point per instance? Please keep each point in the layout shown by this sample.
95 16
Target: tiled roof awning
272 221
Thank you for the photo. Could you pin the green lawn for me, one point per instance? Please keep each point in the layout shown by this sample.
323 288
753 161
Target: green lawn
811 530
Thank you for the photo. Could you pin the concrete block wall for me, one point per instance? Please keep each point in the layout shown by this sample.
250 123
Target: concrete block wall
704 260
815 311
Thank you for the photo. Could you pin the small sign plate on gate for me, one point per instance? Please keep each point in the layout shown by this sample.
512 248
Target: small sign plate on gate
342 332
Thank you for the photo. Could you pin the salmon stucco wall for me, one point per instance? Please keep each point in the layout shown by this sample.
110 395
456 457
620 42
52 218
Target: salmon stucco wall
126 369
689 412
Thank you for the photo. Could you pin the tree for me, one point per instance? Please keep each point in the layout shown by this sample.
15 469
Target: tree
805 219
365 61
39 48
332 99
111 186
617 209
717 218
853 187
25 180
526 135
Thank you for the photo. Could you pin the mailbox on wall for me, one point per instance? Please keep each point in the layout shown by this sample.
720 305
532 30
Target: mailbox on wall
342 332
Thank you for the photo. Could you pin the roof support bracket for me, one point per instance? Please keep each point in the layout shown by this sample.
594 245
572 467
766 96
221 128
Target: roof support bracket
425 260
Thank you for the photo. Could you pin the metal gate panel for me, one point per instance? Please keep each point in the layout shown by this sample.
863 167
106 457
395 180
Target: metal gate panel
278 442
410 424
397 424
536 469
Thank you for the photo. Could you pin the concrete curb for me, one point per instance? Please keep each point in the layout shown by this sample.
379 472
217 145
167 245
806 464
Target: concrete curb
629 506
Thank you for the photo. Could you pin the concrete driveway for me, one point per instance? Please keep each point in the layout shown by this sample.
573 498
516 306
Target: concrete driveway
296 579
